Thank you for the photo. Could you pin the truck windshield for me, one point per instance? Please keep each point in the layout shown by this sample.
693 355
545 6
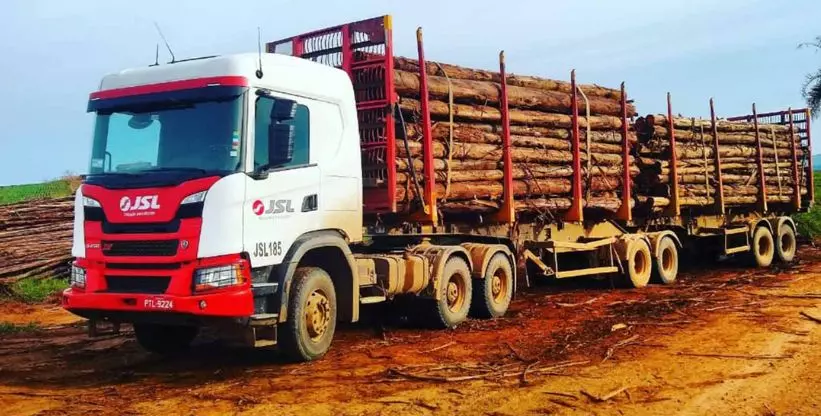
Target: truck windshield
189 130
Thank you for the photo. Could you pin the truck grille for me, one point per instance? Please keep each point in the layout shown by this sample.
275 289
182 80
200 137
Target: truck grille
137 284
140 248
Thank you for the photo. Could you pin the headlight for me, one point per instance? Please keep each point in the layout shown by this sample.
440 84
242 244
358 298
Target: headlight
217 277
78 277
194 198
89 202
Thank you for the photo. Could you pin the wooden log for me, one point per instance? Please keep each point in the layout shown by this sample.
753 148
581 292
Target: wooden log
484 92
491 114
458 72
721 125
682 135
520 171
493 189
492 152
478 133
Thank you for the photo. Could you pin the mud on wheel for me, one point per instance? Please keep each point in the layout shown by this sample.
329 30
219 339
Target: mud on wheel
455 293
665 265
785 243
763 247
492 293
638 265
309 329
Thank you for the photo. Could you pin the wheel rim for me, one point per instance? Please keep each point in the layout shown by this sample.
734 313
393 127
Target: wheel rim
787 243
667 260
456 292
317 315
764 245
498 285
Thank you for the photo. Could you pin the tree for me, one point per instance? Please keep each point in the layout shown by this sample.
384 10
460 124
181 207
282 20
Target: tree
812 84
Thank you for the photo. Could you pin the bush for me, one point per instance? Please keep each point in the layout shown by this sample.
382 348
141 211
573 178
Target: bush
33 290
10 328
809 223
54 189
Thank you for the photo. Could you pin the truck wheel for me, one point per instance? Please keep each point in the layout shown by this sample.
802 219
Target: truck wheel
639 264
492 293
309 330
763 247
785 244
666 261
165 339
454 295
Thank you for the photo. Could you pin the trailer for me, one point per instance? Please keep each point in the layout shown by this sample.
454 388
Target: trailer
268 201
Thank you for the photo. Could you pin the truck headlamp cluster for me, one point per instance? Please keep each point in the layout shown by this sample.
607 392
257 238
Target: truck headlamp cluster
211 278
78 277
194 198
90 202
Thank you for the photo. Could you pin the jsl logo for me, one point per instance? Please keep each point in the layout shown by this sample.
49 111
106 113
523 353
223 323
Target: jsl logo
140 203
275 206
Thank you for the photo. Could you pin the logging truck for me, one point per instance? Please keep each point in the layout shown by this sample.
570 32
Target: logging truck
273 194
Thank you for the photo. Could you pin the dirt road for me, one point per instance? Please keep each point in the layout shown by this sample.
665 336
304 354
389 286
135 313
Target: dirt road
727 340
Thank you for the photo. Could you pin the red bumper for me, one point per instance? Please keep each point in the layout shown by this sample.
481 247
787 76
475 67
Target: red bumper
177 299
234 304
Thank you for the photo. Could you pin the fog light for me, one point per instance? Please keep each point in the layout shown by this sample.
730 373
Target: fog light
78 277
203 305
217 277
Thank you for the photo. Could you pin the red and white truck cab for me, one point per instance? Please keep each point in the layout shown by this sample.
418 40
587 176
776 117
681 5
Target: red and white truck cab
210 181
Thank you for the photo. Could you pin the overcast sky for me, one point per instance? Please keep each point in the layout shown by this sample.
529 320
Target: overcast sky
55 52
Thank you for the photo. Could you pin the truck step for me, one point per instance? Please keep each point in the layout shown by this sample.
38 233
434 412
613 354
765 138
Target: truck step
365 300
263 319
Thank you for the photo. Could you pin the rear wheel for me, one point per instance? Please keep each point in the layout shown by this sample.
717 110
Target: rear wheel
309 330
666 261
492 293
785 243
165 339
639 264
455 290
763 249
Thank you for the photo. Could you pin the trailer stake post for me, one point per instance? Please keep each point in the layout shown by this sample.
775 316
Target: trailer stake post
575 213
796 200
625 213
717 156
508 212
675 207
762 184
429 211
810 176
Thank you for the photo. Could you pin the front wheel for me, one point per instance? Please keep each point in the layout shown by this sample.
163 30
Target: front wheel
309 330
165 339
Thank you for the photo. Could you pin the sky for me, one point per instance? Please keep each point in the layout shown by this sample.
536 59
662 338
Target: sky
55 52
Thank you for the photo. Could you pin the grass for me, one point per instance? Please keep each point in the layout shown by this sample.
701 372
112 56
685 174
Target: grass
20 193
809 223
7 328
37 290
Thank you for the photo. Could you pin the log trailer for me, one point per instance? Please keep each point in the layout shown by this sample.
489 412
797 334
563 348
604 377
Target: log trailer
252 192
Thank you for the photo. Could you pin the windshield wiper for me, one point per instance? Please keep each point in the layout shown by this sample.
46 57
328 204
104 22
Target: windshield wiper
178 169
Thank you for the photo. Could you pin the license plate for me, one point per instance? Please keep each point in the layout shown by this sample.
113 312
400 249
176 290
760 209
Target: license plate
158 303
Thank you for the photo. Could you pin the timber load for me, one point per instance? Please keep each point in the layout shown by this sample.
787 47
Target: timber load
466 111
747 164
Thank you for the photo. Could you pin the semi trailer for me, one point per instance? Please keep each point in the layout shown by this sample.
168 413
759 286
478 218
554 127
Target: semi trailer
273 194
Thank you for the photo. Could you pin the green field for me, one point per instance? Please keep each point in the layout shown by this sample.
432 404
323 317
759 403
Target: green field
19 193
809 223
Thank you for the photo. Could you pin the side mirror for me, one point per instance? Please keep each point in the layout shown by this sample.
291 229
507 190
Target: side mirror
283 110
280 144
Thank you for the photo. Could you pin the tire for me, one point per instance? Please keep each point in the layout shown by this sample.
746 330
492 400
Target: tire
492 293
455 293
785 244
165 339
665 263
309 330
639 264
763 249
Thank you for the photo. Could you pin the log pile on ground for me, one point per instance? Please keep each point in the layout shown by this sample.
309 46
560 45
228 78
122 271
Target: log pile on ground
35 239
696 163
467 140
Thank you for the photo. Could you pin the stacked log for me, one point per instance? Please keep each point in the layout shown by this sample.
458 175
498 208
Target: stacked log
468 144
35 239
696 161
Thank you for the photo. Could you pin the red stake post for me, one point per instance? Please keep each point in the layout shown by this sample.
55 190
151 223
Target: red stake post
716 154
796 200
576 207
762 185
508 212
675 206
429 212
810 176
625 212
